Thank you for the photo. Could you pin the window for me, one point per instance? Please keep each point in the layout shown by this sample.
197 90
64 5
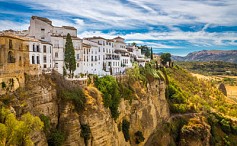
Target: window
10 44
33 59
42 29
38 60
56 65
38 49
45 59
33 47
78 56
50 49
56 54
95 58
45 66
77 64
103 49
44 48
109 63
42 37
99 49
10 58
91 58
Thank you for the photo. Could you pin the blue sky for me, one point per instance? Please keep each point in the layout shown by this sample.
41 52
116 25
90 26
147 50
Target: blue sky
176 26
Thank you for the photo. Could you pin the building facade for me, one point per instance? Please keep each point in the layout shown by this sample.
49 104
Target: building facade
94 55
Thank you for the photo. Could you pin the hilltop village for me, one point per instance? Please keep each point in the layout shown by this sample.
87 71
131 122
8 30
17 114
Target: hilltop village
40 49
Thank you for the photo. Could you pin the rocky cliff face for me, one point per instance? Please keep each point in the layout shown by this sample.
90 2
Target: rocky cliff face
145 114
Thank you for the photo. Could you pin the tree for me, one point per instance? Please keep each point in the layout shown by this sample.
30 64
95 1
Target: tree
134 44
145 50
69 55
18 132
151 54
166 57
222 89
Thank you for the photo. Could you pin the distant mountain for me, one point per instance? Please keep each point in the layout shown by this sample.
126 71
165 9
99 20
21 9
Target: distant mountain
210 55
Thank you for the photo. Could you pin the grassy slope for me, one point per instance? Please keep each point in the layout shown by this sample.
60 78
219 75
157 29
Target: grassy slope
187 94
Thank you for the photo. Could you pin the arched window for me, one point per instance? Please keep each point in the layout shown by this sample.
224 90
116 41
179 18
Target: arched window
10 58
33 48
33 59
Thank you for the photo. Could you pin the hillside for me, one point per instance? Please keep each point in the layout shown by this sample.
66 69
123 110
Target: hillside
209 55
147 106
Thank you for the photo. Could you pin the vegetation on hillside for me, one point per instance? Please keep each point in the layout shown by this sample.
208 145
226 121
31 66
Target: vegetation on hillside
67 91
210 68
186 93
14 131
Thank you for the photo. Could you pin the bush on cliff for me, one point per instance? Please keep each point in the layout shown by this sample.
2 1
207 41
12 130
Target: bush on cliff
56 138
125 129
68 91
111 96
139 137
15 131
85 133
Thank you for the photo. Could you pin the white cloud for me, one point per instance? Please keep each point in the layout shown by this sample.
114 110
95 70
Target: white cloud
6 24
139 13
197 38
88 15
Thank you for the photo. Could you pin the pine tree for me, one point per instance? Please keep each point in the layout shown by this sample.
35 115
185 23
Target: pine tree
69 56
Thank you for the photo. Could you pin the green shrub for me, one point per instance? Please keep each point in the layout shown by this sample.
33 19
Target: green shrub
3 85
225 126
46 121
56 138
234 129
111 95
85 133
125 129
68 91
179 108
139 137
76 95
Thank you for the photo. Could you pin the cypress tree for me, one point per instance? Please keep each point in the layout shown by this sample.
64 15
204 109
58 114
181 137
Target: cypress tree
151 53
69 55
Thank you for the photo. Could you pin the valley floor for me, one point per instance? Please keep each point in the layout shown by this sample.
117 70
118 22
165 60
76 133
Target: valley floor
231 89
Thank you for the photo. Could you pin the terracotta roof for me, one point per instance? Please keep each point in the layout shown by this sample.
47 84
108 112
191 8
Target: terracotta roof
118 37
69 27
86 45
42 19
18 37
44 42
95 37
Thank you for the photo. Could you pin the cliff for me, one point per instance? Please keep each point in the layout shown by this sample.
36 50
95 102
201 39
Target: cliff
155 110
145 113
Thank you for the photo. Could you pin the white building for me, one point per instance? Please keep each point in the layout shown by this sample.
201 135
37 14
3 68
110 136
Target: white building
41 53
42 29
136 55
94 55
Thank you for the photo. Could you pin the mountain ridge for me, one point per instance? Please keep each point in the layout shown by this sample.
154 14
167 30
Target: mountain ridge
209 55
